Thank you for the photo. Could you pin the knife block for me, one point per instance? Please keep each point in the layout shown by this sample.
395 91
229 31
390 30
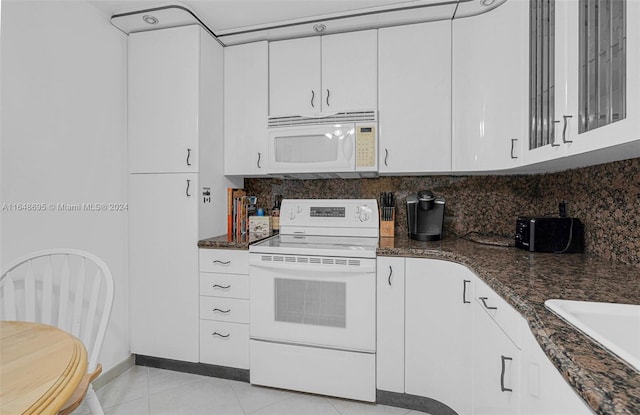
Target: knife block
387 226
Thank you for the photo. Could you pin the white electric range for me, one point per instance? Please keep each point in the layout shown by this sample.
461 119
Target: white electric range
313 299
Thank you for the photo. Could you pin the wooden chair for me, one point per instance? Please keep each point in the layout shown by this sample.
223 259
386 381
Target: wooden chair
69 289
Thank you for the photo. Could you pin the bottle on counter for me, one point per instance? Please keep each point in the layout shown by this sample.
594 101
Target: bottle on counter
275 215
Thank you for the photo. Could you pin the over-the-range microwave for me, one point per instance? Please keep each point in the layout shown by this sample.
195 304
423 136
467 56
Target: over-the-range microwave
338 145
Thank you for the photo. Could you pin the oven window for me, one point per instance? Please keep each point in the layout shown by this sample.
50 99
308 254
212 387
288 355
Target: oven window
320 303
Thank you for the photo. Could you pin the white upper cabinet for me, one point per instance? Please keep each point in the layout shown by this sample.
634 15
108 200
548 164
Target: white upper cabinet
596 93
602 94
415 98
349 71
164 94
294 76
246 89
323 74
490 88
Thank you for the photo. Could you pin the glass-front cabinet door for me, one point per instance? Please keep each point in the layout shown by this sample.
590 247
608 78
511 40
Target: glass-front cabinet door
584 88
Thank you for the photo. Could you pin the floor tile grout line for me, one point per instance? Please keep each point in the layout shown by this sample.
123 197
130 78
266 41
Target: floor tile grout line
334 407
148 393
244 411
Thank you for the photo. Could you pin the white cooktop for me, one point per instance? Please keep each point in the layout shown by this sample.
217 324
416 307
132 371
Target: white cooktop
325 227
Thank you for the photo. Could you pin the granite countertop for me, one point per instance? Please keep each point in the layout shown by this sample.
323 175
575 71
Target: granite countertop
525 280
234 242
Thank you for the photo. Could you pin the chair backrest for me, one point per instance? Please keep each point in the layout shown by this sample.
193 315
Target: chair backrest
66 288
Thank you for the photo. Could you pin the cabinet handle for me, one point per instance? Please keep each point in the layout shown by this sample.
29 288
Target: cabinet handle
386 156
553 139
188 156
313 96
258 162
513 140
564 129
464 292
188 185
484 301
221 311
215 333
502 388
390 273
217 261
328 93
222 287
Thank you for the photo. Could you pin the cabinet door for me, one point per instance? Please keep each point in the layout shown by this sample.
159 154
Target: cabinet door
491 88
163 91
294 77
163 265
600 91
496 367
438 332
415 98
350 71
390 321
246 89
544 390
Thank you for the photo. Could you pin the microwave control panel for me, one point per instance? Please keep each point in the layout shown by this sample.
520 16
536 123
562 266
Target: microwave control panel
365 146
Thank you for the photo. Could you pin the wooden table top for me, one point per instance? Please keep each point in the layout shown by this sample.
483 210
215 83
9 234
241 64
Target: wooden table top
40 367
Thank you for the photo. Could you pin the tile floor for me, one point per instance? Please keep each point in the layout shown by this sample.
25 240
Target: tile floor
141 390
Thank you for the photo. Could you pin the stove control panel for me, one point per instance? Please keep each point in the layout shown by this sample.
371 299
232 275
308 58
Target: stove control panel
329 216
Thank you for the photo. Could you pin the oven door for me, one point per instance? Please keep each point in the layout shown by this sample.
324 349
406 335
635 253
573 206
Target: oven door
315 301
312 149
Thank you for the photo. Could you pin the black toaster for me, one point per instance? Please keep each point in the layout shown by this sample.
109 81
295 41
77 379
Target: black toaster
550 234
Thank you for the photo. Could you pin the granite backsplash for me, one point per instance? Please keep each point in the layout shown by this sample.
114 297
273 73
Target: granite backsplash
605 197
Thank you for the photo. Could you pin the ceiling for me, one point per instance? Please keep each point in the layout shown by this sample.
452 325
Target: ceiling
240 21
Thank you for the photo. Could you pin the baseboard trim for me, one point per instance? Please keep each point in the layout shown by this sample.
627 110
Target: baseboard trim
203 369
414 402
117 370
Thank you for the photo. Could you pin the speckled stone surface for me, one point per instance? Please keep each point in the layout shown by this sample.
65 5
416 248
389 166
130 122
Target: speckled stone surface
605 197
526 280
223 241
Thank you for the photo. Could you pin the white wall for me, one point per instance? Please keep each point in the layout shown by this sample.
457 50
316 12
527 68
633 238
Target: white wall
63 138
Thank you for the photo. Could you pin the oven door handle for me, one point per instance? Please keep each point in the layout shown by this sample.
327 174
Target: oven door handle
328 269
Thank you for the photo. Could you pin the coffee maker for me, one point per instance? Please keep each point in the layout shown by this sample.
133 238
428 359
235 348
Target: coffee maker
425 215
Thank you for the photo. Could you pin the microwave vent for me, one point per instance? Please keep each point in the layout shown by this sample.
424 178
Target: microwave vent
340 117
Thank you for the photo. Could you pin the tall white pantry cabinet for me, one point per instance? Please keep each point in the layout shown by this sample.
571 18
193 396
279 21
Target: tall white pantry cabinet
176 185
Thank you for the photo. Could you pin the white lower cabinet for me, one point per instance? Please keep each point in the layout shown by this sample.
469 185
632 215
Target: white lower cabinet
224 307
390 358
438 332
444 334
496 366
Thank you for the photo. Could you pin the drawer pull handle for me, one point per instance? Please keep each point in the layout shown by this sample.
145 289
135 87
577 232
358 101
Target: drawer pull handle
390 274
216 261
484 302
215 333
464 292
222 287
221 311
502 388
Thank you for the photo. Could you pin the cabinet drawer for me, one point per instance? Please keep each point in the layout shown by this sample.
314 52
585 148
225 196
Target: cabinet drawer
224 285
225 261
507 318
224 309
224 344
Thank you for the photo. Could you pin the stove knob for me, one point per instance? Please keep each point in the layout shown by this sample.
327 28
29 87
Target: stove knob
292 214
298 209
364 216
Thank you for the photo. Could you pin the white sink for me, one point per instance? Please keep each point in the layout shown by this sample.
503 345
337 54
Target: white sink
614 326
